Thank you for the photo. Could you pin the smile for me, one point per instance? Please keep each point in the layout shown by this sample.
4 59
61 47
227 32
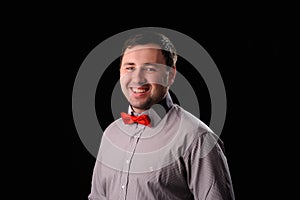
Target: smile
139 90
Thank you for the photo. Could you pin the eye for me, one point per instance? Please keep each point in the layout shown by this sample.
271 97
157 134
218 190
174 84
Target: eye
150 68
129 68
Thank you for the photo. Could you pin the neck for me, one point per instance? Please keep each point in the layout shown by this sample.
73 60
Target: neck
166 102
163 107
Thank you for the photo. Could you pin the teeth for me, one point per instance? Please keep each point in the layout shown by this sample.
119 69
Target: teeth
135 90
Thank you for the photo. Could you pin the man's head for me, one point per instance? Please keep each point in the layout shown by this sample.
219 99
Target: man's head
148 69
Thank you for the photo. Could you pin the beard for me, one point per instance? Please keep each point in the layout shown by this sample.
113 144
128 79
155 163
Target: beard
145 104
142 105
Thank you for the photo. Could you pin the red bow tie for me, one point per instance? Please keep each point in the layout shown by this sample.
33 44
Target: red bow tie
130 119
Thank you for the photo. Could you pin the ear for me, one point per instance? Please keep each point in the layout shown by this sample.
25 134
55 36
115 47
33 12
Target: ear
172 75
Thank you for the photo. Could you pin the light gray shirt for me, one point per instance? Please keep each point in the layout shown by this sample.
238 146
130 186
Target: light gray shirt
177 158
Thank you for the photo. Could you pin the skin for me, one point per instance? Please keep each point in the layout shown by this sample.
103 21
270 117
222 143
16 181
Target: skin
143 80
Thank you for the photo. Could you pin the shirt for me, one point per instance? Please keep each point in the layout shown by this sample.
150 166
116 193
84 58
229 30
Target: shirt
177 158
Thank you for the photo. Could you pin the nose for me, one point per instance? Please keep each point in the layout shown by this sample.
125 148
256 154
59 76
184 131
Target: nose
139 77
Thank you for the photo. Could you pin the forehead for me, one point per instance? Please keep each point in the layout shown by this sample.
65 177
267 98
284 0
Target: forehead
143 54
138 48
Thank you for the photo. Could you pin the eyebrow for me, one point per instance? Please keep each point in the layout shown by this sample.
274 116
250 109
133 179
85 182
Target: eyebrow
129 63
153 64
145 64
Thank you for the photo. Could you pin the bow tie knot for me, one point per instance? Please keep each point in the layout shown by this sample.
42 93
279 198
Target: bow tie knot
130 119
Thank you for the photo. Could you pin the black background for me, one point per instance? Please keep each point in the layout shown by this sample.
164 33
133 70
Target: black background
256 63
255 47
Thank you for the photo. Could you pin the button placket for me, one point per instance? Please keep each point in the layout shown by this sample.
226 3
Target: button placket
131 152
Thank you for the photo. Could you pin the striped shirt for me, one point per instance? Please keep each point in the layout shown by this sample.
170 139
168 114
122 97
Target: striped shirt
177 158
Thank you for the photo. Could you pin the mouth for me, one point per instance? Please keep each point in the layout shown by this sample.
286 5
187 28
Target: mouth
140 90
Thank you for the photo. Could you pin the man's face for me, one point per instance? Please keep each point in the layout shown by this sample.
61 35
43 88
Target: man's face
144 76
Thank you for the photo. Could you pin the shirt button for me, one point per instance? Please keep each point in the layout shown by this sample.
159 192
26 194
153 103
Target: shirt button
127 161
123 186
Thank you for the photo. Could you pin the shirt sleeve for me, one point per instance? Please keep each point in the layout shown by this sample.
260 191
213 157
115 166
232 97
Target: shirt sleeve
208 174
98 184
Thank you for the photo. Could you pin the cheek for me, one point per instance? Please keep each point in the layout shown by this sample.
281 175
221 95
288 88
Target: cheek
157 89
122 74
159 79
124 80
124 88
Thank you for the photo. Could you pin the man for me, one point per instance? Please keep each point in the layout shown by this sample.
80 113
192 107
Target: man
147 156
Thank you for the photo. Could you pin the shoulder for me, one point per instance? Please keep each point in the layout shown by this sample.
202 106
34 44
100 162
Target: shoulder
195 135
189 122
113 126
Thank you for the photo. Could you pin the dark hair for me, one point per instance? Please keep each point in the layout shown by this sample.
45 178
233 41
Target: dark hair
147 37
